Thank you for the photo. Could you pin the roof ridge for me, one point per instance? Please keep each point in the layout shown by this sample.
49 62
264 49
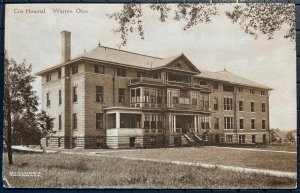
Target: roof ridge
128 52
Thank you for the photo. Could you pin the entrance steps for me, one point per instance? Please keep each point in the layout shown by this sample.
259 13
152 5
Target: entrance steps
191 139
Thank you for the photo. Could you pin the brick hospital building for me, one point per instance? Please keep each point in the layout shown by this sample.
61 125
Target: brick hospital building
118 99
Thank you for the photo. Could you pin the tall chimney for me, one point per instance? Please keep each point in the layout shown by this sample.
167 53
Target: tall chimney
66 46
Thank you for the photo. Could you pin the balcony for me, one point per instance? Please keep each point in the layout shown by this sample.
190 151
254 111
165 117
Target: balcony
177 83
146 80
204 87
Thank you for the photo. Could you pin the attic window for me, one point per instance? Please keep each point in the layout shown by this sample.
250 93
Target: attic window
178 65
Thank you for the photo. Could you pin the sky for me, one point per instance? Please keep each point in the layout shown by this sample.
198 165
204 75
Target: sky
220 44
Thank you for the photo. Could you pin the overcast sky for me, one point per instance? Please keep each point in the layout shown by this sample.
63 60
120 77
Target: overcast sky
213 47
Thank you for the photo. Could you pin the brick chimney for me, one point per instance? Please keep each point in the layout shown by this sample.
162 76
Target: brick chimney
66 46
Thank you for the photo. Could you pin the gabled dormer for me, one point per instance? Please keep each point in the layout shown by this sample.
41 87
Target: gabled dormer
179 63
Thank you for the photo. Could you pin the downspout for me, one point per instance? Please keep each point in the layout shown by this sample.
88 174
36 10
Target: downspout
235 116
269 92
113 79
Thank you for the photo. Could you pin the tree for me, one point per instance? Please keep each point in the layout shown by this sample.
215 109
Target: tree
264 18
46 123
20 101
253 18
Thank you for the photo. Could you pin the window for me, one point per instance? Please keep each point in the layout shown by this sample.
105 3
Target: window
253 139
263 92
252 107
140 74
75 94
241 105
194 98
146 95
205 122
228 88
263 124
263 107
240 89
252 123
215 86
121 96
159 121
121 72
99 121
128 120
227 104
74 121
153 121
264 138
202 82
59 122
159 96
228 122
178 65
241 123
252 91
75 69
152 93
242 138
147 121
99 94
216 123
48 77
135 95
175 96
216 105
98 69
206 101
48 100
59 74
228 138
59 97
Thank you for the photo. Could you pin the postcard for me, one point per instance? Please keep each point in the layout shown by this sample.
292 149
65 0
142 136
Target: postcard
150 96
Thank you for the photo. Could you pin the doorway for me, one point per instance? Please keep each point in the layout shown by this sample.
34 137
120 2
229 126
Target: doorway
217 139
132 142
185 123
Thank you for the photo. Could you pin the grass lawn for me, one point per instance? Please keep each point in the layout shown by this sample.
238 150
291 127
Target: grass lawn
219 156
81 171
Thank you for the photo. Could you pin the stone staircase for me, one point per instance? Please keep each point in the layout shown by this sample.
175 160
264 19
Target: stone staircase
191 139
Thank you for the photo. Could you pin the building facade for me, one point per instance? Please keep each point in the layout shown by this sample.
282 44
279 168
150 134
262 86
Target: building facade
117 99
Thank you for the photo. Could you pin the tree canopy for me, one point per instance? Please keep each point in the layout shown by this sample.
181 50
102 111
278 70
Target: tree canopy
20 101
254 18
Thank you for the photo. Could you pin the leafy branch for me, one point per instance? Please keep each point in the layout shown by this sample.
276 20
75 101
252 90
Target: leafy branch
264 18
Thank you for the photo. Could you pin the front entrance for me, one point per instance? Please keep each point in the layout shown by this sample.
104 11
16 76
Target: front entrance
185 123
217 139
132 142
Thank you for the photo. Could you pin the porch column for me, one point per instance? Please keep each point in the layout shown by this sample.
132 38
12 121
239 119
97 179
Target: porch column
195 124
199 122
118 120
170 119
142 120
174 126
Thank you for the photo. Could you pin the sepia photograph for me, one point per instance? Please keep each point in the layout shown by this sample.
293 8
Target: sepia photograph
150 96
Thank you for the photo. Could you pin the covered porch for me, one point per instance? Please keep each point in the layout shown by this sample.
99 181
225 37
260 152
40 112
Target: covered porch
187 123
